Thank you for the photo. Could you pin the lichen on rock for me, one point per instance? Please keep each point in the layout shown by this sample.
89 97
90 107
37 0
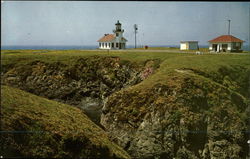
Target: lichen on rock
195 118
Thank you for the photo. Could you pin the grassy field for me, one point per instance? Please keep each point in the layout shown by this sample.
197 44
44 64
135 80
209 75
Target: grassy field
13 56
206 61
172 48
169 61
205 50
228 72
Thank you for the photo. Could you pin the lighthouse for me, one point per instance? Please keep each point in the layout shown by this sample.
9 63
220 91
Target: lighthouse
118 29
113 41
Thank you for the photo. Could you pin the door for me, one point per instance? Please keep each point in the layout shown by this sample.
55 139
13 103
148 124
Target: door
224 47
214 46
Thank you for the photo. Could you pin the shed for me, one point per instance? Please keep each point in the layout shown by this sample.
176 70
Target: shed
189 45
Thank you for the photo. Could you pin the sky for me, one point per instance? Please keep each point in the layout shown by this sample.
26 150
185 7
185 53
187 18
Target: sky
77 23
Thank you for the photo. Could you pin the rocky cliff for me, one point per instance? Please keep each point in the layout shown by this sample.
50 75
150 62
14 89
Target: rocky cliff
85 83
182 113
186 116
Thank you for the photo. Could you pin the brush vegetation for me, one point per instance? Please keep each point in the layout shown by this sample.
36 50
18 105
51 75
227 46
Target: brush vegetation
216 66
208 92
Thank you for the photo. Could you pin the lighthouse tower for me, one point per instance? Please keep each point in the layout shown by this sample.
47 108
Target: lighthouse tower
118 30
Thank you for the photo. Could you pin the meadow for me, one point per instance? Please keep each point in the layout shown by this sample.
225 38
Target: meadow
187 78
168 61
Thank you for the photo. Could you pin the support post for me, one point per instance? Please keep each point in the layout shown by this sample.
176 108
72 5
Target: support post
135 27
229 26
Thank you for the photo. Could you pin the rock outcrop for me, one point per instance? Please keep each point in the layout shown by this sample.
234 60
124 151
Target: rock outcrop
186 116
186 113
85 84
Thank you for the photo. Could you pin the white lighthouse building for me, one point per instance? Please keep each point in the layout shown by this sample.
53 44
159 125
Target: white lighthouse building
113 41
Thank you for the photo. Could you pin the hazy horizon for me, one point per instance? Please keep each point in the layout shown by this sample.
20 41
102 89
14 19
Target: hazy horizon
67 23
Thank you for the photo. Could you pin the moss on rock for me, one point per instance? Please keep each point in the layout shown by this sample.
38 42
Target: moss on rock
178 119
37 127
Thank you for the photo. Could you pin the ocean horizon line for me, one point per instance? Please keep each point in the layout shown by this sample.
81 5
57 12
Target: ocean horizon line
84 47
69 47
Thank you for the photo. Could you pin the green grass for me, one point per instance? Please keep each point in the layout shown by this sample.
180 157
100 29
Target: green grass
158 48
169 61
204 50
209 64
22 111
67 55
172 49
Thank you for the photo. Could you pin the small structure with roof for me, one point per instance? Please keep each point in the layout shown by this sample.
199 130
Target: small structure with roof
226 43
189 45
113 41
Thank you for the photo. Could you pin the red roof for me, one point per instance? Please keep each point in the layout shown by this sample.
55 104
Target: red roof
226 38
107 37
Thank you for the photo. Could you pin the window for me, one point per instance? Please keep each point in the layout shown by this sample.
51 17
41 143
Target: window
117 44
100 44
233 44
238 44
113 45
117 34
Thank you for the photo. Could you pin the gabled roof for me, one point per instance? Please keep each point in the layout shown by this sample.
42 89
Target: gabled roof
226 38
107 38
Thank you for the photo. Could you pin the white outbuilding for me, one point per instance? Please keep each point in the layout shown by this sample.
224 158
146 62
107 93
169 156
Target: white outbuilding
189 45
113 41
